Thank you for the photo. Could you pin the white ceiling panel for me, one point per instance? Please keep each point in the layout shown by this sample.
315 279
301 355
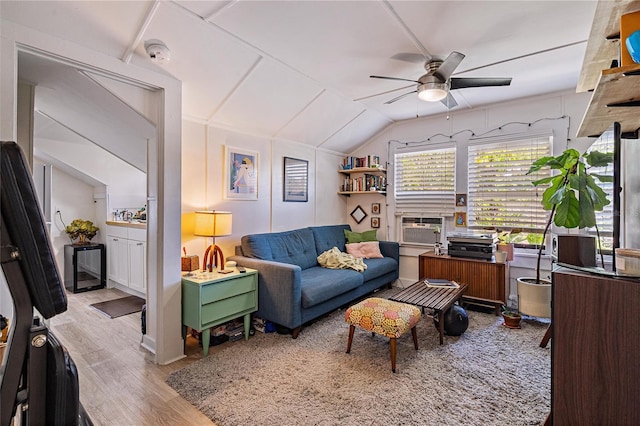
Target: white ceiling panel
108 26
337 43
209 62
269 97
321 119
363 127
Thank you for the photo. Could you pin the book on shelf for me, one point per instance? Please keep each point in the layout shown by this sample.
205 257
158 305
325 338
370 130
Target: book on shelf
369 161
438 283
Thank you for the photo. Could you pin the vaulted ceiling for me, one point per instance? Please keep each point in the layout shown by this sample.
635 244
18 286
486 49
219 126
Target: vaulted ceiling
299 70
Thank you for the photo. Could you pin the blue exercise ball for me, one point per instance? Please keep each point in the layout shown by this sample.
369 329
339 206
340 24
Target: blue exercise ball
456 321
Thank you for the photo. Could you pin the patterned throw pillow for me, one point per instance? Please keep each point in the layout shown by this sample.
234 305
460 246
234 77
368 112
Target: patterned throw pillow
359 237
365 250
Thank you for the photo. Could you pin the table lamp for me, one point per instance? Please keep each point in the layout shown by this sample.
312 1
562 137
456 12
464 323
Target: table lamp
212 224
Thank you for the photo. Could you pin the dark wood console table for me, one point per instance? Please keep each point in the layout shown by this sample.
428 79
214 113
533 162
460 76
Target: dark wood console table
485 279
595 373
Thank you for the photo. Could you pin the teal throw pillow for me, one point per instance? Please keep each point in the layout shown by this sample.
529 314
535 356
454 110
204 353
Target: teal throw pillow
360 237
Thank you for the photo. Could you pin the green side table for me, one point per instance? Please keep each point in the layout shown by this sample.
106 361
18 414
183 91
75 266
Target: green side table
211 298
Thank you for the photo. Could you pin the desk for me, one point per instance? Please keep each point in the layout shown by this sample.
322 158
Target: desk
211 298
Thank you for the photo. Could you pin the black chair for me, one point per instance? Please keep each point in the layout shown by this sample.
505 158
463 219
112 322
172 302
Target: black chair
39 380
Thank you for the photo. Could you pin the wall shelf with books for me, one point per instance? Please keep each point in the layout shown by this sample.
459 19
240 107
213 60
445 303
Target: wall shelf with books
363 180
363 175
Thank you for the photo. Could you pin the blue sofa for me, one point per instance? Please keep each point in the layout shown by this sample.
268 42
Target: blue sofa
294 289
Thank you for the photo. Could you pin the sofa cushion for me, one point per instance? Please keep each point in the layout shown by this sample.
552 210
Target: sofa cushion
365 250
327 237
321 284
359 237
378 267
296 247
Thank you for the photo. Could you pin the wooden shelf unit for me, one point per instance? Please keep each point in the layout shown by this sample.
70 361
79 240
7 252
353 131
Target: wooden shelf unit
364 171
595 373
609 85
486 279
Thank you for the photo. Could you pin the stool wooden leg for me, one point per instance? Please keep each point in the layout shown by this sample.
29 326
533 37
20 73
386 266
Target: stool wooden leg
414 333
352 328
393 354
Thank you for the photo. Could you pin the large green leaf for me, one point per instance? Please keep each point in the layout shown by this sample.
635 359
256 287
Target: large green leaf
553 194
568 211
599 159
587 213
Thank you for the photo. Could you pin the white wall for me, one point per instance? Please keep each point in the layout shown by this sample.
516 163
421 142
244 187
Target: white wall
74 199
543 112
203 179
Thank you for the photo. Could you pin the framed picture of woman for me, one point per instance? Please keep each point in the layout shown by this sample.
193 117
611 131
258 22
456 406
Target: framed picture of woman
241 174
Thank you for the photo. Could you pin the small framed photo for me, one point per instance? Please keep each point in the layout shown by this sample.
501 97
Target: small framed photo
460 219
358 214
375 208
461 200
375 222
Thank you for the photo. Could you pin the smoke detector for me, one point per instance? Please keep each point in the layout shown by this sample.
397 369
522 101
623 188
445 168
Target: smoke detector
157 51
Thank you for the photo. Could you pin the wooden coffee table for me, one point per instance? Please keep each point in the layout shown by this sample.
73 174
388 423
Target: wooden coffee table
437 299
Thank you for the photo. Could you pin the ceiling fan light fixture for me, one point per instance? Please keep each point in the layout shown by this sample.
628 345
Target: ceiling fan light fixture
432 92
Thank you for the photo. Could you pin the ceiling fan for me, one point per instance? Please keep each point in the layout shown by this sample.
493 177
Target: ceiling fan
435 84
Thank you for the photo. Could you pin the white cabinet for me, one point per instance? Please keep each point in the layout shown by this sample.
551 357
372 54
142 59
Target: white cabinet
127 257
138 265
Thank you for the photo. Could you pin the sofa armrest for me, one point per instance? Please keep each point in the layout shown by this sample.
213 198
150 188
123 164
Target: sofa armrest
279 290
390 249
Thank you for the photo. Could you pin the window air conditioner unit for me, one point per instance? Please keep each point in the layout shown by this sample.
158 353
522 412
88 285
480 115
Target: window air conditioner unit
422 230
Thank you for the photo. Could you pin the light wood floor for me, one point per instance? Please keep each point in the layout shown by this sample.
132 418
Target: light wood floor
119 382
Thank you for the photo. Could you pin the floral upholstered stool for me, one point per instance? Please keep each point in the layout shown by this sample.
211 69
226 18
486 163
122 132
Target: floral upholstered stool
385 317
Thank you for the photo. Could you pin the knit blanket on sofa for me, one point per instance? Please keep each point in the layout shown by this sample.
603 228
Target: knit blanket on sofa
335 259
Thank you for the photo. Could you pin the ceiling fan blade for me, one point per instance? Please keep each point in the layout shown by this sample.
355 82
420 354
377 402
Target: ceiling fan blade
461 82
393 78
415 58
449 101
449 65
397 98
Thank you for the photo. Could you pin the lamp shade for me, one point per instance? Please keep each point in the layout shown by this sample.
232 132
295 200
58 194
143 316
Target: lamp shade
212 224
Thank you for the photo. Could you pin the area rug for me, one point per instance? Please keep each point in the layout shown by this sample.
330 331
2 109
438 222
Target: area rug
119 307
489 375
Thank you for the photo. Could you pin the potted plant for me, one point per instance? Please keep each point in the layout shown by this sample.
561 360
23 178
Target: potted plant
511 317
507 240
81 230
573 197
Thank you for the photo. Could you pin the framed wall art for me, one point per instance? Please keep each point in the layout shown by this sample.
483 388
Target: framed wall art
295 182
375 222
375 208
460 218
358 214
240 174
461 200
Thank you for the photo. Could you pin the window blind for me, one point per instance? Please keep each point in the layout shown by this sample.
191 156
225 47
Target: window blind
604 218
425 181
500 193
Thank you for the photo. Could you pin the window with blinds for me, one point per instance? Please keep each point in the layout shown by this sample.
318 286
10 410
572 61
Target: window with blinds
425 181
604 218
500 193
